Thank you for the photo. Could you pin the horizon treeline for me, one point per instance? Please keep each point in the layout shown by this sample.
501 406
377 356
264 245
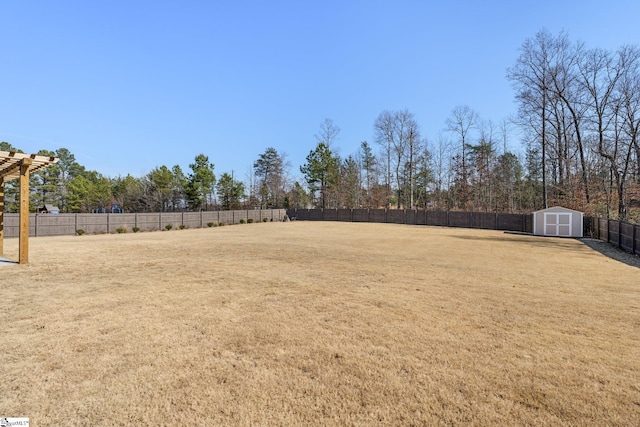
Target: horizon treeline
578 122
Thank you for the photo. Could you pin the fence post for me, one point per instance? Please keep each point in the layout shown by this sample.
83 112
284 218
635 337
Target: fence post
160 221
599 230
76 223
36 225
108 223
619 234
633 242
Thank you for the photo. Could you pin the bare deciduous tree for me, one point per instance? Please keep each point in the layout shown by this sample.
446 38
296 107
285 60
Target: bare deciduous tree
463 119
398 134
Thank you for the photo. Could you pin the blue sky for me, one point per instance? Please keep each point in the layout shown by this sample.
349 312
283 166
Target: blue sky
131 85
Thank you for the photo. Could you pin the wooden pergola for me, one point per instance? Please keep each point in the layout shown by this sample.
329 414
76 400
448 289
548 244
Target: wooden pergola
15 165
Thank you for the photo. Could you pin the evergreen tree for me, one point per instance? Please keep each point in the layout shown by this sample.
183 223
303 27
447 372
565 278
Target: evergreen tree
321 171
230 192
87 191
200 183
270 173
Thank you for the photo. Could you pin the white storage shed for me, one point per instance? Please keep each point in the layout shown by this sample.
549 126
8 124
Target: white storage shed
558 221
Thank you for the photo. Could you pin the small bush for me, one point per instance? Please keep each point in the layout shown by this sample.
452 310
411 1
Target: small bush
135 229
80 231
242 221
211 224
168 227
182 226
121 230
220 224
265 219
250 221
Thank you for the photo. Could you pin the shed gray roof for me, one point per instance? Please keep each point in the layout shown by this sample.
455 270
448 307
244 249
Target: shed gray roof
558 209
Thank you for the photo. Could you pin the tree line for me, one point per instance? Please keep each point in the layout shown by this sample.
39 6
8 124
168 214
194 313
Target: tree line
578 120
72 188
580 110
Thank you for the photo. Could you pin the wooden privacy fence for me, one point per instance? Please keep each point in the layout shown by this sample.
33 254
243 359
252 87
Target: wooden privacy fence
621 234
68 224
492 221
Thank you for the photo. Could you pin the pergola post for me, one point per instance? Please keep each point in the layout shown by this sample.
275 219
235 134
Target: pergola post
14 165
23 256
1 216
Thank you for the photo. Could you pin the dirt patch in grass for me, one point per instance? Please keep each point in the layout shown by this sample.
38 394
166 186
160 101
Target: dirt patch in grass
307 323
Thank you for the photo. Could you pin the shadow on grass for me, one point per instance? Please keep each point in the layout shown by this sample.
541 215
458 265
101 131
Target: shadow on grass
4 261
527 238
612 252
604 248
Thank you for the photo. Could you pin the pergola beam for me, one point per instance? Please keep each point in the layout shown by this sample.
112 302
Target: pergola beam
10 170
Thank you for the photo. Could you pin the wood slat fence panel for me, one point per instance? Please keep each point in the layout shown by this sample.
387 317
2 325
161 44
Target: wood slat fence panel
395 216
360 215
626 236
440 218
345 215
68 224
460 219
410 216
486 220
621 234
377 215
330 214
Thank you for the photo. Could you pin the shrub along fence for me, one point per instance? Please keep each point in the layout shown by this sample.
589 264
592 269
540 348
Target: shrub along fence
68 224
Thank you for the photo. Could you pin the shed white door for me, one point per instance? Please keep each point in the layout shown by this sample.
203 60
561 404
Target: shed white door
557 224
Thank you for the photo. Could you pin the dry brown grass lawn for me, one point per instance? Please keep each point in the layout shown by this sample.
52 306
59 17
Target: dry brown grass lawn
319 324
